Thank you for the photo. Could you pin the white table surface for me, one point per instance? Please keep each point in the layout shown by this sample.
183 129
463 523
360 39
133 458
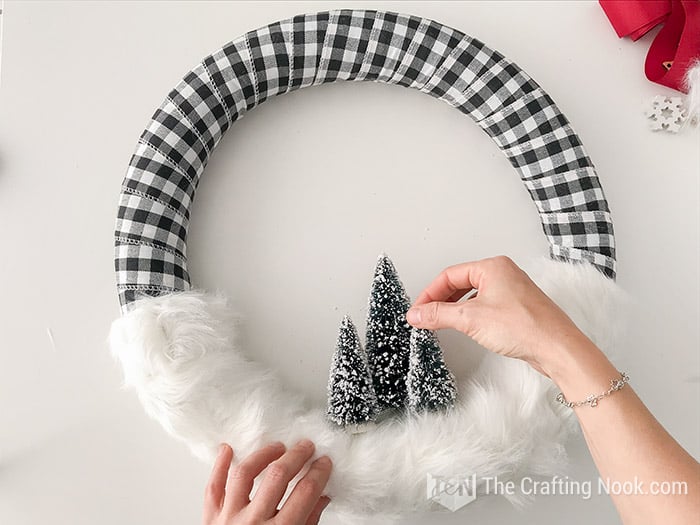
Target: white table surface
298 201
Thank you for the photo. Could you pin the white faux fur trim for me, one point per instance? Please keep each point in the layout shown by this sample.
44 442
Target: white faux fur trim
691 82
179 354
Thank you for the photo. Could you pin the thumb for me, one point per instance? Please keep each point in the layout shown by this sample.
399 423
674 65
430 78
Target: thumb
437 315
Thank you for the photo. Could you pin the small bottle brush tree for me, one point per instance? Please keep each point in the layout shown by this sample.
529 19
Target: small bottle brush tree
388 335
430 384
351 398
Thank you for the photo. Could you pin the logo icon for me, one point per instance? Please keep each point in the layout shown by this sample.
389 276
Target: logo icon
452 493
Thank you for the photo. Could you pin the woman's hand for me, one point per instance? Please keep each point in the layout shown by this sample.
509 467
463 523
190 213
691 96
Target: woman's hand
227 498
508 314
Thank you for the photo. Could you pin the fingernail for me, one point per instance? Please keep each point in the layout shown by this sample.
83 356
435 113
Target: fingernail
324 461
305 443
222 447
413 315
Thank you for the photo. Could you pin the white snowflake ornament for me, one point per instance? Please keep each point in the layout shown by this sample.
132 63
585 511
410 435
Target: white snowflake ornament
666 113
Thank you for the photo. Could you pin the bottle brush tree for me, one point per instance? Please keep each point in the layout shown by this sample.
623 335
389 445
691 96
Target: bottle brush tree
388 335
351 398
430 384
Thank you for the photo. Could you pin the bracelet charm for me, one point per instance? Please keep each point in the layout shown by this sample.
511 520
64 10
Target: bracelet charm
592 400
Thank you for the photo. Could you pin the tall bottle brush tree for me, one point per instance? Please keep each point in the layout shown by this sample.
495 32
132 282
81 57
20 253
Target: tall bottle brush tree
351 398
430 384
388 335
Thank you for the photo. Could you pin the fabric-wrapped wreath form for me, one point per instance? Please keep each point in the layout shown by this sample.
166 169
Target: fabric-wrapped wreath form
177 346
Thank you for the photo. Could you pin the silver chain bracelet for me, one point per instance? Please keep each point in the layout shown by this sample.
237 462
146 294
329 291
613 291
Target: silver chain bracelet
592 400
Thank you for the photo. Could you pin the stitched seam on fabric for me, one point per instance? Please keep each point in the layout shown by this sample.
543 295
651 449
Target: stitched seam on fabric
401 67
574 251
579 214
135 242
290 50
548 181
217 93
152 287
139 193
563 250
322 63
542 140
470 91
192 126
256 88
438 73
517 105
552 179
373 39
568 251
438 76
173 164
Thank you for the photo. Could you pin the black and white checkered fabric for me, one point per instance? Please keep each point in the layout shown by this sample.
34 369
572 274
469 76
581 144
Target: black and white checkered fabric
163 174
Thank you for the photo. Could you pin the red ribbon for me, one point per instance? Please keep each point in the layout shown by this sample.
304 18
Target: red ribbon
676 45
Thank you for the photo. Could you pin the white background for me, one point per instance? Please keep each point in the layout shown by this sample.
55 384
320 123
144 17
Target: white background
299 199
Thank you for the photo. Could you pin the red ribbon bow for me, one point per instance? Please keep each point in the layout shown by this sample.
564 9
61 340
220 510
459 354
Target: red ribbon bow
676 45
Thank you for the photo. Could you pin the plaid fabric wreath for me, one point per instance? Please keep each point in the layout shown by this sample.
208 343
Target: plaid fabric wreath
172 152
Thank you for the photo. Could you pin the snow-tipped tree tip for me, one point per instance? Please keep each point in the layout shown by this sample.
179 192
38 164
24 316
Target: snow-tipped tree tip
384 260
347 329
385 267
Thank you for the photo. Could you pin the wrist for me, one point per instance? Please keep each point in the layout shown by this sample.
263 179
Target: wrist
577 366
